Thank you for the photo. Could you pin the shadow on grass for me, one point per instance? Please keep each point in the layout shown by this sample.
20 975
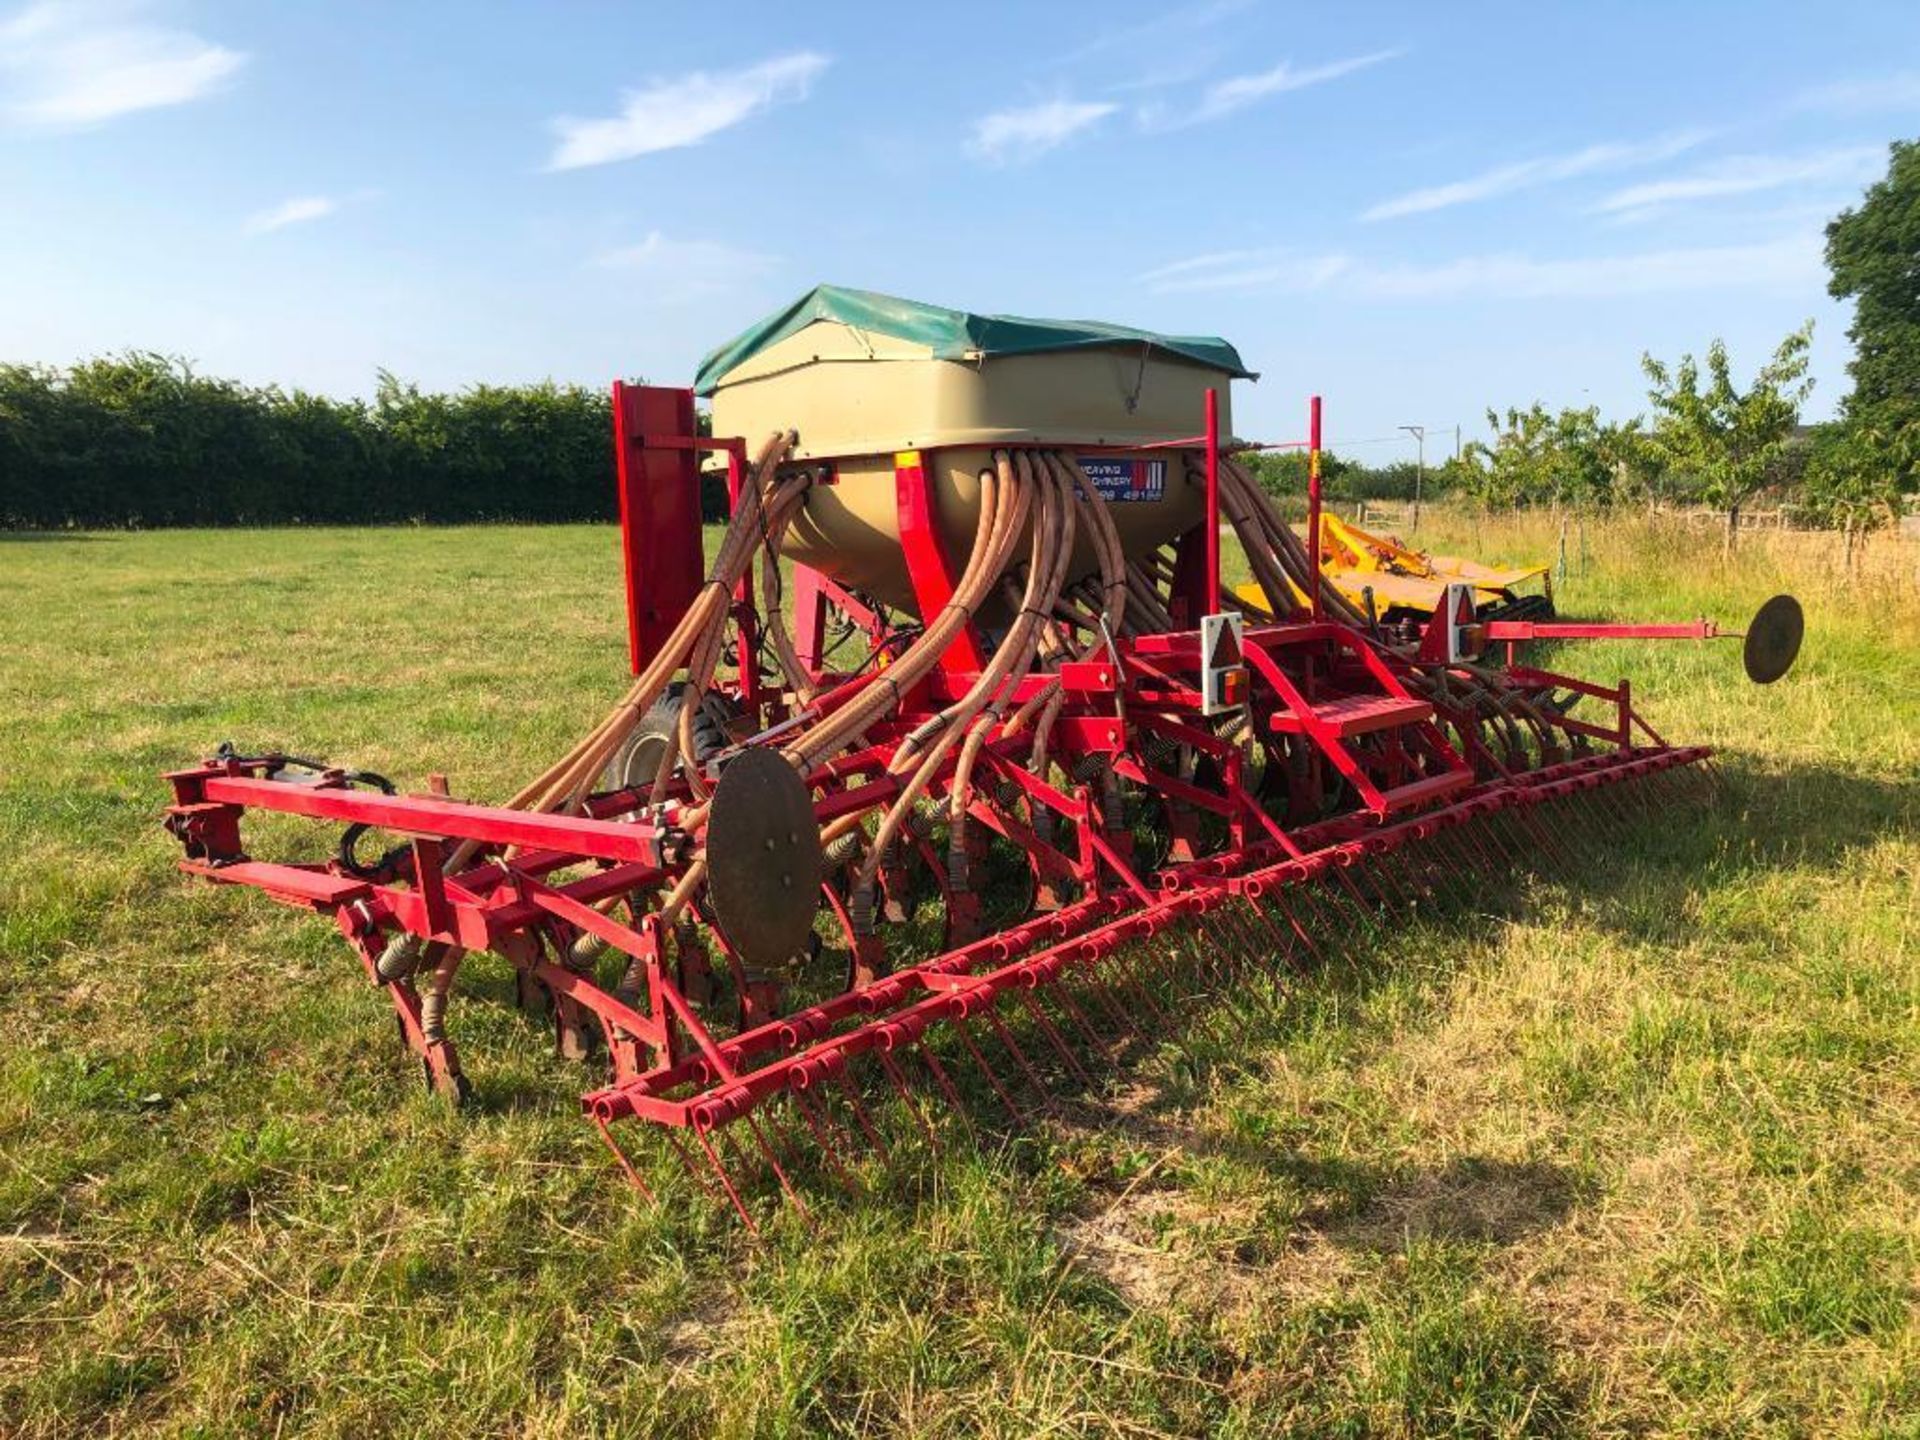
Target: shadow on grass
1367 1206
29 537
1759 821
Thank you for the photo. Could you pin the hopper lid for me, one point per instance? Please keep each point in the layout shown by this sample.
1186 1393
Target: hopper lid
952 334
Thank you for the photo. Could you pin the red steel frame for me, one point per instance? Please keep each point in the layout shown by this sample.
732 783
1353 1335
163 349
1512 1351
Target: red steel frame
539 879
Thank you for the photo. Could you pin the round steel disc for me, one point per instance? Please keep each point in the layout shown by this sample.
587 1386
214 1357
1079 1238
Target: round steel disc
764 861
1773 639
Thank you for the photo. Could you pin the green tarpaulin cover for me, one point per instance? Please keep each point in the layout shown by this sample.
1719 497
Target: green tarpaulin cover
952 334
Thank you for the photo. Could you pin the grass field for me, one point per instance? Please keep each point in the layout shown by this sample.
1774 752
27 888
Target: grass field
1630 1153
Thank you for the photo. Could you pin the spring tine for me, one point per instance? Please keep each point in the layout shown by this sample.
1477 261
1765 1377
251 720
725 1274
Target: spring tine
1630 798
848 1088
1386 870
726 1181
1473 839
1544 837
1247 942
1194 1016
686 1160
1341 918
621 1155
822 1139
798 1145
1340 873
1255 938
1099 996
1428 876
966 1038
1019 1055
1063 991
1179 962
1255 931
1133 987
1298 929
766 1150
1047 1029
1572 824
1607 818
1248 950
1369 877
945 1082
1459 865
1290 942
1167 962
907 1097
1498 823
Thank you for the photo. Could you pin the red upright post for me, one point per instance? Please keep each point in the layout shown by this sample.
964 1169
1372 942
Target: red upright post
659 473
1313 501
1213 502
927 563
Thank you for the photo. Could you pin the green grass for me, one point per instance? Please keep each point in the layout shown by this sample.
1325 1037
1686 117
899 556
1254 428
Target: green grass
1630 1153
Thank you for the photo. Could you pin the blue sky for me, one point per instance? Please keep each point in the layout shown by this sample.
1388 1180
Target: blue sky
1417 210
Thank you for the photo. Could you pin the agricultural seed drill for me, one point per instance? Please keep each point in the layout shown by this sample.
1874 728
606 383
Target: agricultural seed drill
982 779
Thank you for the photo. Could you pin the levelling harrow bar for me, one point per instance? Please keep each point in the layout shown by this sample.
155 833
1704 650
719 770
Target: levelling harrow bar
1056 785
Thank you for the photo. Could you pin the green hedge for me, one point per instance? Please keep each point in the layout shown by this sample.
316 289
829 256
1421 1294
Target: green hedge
141 440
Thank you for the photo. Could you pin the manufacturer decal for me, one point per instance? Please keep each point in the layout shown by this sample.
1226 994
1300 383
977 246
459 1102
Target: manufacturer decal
1121 480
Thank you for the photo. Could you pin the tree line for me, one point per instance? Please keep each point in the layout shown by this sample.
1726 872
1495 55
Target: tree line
144 440
1710 440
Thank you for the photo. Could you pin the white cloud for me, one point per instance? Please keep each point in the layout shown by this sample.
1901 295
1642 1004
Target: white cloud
686 269
1746 174
1274 268
1030 131
1865 95
1224 97
1527 174
1790 263
1169 26
66 66
669 114
291 212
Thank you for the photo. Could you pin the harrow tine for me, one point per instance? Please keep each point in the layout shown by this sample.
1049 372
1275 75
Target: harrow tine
1127 996
1046 1028
1473 839
686 1161
1099 998
1368 880
1019 1055
1386 867
1340 874
1276 940
950 1090
907 1096
1633 800
1293 921
966 1038
1063 991
1165 961
860 1116
1260 964
726 1180
1131 985
626 1165
1498 834
766 1151
1610 818
822 1139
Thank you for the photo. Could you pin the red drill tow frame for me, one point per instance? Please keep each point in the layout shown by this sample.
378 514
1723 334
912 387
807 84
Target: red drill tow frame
1358 770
